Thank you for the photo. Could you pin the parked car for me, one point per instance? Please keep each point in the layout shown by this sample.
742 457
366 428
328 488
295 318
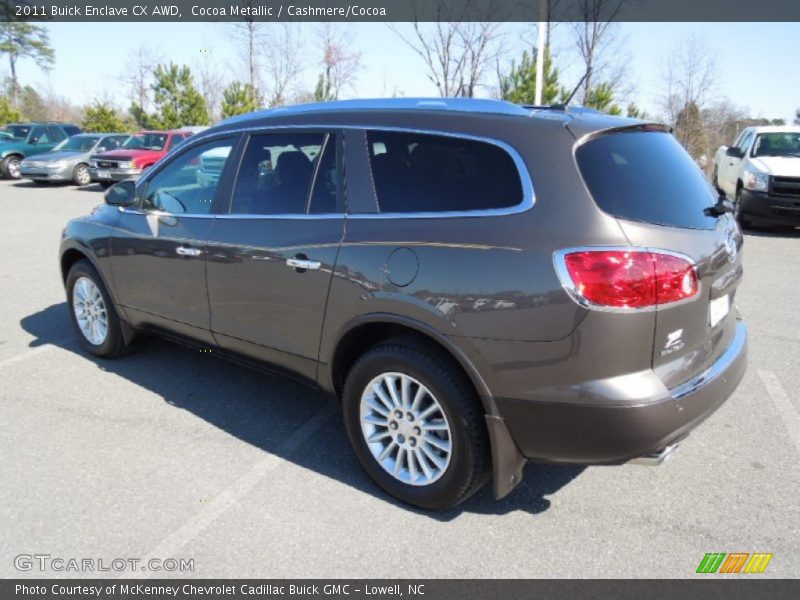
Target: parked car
139 152
30 139
5 136
761 173
69 160
351 244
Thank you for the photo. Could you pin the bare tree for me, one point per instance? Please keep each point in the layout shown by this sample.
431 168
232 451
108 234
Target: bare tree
459 48
249 36
283 61
137 74
595 40
210 83
340 65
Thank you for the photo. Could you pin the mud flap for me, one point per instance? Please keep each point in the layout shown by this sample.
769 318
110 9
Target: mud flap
507 462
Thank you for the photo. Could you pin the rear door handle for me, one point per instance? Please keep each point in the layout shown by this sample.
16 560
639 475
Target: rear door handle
303 263
184 251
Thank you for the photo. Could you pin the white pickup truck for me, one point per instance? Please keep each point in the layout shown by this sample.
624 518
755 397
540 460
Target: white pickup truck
761 173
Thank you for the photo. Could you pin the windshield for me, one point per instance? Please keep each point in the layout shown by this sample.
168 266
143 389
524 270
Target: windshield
782 143
77 143
146 141
646 176
19 132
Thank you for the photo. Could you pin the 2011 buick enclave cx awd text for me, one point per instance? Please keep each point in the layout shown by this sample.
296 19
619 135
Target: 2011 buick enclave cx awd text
479 283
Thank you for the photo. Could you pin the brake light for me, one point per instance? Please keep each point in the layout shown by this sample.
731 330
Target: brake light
628 278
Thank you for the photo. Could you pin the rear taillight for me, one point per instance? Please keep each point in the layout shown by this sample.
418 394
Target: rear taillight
627 277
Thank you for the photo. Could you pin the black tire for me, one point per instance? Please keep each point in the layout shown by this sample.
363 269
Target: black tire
470 461
114 343
81 175
743 221
10 167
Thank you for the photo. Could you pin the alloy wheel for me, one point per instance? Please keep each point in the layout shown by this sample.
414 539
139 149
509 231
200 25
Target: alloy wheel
406 429
90 311
13 168
82 176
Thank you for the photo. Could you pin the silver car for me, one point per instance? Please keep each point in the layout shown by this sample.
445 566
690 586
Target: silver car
69 161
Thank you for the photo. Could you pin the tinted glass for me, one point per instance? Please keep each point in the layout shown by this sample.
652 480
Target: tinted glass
39 135
183 186
20 132
78 143
276 172
56 134
72 129
416 172
325 195
784 143
646 176
148 141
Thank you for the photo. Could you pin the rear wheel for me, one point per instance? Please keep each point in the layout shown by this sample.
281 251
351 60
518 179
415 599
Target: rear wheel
81 175
93 314
416 424
10 167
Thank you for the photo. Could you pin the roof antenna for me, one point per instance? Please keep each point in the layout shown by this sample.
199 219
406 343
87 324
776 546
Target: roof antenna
575 91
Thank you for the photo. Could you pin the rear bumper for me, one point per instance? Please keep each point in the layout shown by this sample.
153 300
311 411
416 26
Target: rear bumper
769 207
597 429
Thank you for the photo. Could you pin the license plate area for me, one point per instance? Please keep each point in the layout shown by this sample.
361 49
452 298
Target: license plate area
718 309
104 174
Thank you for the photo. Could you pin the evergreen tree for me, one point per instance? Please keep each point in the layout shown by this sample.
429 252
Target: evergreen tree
519 85
601 97
8 114
324 91
238 99
176 100
20 39
102 118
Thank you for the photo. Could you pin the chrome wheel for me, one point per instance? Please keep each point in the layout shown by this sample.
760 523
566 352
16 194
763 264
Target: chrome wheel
406 429
13 168
82 175
90 311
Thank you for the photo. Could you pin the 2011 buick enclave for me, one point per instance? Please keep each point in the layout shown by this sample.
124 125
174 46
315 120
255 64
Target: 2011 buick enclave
479 283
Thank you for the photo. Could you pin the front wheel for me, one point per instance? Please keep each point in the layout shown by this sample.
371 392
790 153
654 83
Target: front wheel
10 167
416 424
93 314
81 175
743 221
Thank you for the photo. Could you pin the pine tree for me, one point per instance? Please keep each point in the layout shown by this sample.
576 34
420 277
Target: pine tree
177 101
102 118
8 114
238 99
519 85
601 97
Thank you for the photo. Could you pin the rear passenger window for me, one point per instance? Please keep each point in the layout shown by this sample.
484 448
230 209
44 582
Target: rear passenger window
416 172
276 173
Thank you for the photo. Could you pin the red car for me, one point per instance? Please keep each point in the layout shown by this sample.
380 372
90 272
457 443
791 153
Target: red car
139 152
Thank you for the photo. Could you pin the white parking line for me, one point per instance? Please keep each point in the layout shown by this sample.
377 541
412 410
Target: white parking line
25 355
170 545
785 407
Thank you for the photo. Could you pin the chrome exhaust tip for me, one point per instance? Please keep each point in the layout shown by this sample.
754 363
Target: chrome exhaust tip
656 458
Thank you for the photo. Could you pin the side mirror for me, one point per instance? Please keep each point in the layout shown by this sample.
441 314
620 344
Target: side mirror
121 194
734 152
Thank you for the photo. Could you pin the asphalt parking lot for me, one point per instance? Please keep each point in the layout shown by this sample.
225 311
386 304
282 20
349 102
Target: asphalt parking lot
171 453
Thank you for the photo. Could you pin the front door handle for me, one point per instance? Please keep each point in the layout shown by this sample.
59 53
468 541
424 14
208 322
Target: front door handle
303 264
184 251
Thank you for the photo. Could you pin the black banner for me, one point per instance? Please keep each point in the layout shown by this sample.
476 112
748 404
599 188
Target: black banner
399 10
736 588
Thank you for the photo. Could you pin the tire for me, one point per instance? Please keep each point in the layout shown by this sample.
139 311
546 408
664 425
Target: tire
111 343
459 419
743 221
10 167
81 175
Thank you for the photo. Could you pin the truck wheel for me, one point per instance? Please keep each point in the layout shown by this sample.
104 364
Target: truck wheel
416 424
743 221
81 175
10 167
93 314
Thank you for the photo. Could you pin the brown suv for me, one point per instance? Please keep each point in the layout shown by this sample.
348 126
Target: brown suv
479 283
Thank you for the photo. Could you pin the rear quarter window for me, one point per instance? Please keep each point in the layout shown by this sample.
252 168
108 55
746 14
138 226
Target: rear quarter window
646 176
418 172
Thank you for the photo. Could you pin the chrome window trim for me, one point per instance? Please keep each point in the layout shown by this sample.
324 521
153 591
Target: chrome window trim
575 294
528 193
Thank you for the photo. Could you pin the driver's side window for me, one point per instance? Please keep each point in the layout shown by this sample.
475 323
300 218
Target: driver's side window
188 184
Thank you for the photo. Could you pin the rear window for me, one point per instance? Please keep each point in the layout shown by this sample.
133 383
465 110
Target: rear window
416 172
646 176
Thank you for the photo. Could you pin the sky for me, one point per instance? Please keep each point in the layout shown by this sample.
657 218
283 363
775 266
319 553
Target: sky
758 66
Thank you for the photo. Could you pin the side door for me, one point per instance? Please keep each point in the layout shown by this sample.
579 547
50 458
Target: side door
733 164
159 250
271 258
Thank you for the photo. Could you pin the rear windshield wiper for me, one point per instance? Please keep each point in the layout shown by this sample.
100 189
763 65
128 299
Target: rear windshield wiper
722 206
